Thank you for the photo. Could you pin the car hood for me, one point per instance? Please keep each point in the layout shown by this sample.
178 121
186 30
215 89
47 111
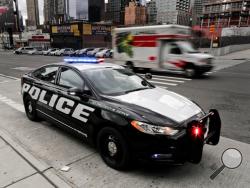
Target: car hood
163 102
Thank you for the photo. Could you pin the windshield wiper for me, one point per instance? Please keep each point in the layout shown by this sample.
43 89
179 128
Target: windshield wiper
138 89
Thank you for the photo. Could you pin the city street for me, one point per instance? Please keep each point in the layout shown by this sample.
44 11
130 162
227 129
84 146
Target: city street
226 88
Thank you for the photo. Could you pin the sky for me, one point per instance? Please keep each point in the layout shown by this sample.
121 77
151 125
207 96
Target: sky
23 9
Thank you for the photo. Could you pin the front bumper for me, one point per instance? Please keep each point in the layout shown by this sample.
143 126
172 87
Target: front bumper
179 148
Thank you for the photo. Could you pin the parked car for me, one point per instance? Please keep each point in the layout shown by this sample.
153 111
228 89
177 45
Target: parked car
23 50
64 51
103 53
93 52
59 52
74 53
68 52
35 51
83 52
46 52
53 51
111 53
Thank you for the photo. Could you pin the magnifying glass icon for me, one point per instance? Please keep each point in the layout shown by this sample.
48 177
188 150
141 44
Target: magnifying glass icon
231 158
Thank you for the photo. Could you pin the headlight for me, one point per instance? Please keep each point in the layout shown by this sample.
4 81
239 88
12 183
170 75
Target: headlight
152 129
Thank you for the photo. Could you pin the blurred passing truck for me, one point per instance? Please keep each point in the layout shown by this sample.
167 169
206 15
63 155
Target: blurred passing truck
162 47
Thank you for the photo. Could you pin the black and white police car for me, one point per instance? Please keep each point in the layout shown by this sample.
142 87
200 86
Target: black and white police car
121 113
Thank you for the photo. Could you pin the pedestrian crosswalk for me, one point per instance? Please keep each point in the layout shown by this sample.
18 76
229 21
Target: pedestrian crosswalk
166 81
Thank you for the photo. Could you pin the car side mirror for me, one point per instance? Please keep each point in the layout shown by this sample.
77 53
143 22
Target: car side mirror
148 76
75 91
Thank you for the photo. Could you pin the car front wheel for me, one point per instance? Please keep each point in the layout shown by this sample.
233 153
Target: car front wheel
113 148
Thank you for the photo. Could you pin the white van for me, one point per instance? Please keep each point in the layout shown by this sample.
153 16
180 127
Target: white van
162 47
23 50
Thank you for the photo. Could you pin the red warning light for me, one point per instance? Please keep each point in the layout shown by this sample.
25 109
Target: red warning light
196 131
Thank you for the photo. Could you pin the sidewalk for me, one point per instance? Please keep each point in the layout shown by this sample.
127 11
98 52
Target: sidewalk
240 55
19 169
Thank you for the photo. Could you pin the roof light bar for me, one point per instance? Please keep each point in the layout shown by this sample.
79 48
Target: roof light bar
81 60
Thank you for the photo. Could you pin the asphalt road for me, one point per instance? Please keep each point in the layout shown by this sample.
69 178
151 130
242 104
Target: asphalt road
226 89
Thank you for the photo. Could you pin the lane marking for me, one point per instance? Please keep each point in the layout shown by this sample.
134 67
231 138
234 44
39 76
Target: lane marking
12 103
165 83
23 68
162 87
3 82
10 77
178 81
170 77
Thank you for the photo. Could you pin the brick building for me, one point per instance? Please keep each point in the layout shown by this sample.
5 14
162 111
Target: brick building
135 14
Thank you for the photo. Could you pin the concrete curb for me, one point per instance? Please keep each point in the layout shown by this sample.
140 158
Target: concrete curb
39 165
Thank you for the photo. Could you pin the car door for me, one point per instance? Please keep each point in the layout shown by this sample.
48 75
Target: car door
73 111
171 56
44 84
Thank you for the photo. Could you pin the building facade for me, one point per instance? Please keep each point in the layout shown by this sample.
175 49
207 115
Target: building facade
7 19
79 35
49 11
33 13
196 9
173 12
60 11
135 14
115 11
88 10
151 12
226 13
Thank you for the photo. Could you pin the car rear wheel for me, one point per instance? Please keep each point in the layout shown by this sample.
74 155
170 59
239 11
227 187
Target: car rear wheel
113 148
30 108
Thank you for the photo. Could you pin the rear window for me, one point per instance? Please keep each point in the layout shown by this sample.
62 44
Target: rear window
47 74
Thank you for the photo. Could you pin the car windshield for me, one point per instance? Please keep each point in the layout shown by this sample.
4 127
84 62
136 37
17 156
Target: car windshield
111 81
187 47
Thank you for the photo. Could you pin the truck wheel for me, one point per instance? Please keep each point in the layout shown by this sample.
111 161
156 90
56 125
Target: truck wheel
130 65
190 71
30 108
113 148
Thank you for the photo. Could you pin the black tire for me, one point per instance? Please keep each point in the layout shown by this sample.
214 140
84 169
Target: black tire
113 148
190 71
30 108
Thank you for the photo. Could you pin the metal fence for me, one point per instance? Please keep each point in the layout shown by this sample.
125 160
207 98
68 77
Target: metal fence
222 41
